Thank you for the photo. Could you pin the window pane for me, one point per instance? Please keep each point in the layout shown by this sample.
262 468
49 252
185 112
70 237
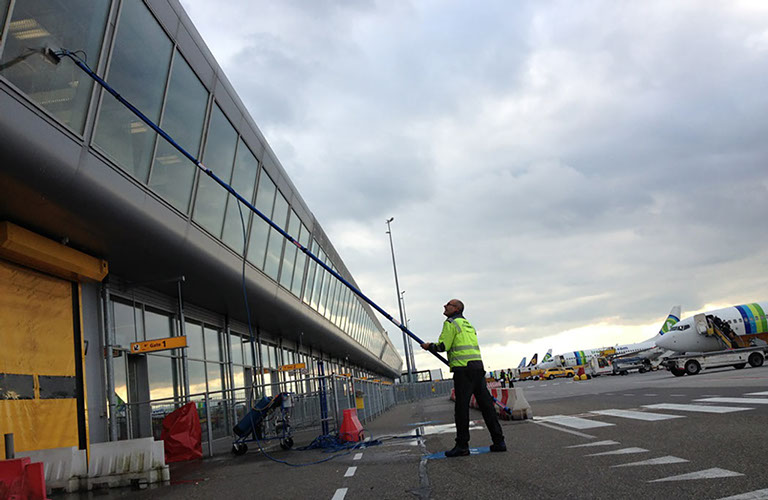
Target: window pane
126 326
219 156
214 378
159 325
244 182
301 259
140 80
237 349
289 256
194 340
3 12
257 241
212 352
63 89
160 371
275 245
196 376
172 173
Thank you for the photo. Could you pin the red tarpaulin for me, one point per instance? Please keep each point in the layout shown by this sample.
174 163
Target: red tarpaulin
182 435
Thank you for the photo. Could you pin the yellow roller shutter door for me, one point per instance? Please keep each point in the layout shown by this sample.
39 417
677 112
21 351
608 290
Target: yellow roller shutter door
38 381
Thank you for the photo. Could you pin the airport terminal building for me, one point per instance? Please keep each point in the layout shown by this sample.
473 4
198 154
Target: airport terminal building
109 236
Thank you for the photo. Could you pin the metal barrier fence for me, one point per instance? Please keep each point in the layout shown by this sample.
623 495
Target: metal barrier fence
220 411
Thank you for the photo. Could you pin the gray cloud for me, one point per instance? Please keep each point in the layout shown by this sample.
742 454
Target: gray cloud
553 165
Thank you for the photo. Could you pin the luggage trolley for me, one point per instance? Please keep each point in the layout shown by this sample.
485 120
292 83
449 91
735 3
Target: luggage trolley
269 419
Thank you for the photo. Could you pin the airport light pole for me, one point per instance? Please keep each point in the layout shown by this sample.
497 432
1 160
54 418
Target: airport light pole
406 344
408 325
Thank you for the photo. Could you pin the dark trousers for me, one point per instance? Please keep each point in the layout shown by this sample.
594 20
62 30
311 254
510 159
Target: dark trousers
466 383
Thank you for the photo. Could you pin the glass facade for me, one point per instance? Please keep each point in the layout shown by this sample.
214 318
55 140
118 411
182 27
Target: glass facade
169 92
62 90
183 119
219 156
141 80
244 182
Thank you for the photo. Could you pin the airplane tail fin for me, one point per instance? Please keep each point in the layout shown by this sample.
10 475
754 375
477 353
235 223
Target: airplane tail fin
672 319
534 360
522 363
547 356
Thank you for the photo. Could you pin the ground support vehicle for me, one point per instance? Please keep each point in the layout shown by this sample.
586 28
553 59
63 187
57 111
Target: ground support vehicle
552 373
268 419
625 365
693 362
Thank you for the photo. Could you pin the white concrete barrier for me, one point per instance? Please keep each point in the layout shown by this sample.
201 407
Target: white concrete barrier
121 463
65 468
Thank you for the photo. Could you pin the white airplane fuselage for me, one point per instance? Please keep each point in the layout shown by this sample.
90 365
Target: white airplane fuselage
747 321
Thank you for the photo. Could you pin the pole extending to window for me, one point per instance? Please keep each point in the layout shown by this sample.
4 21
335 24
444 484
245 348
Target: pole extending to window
56 56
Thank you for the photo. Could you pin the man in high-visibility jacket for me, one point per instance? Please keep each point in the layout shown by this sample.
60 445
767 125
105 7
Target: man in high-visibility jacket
459 340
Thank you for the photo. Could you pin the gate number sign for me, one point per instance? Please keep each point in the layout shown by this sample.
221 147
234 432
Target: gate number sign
158 344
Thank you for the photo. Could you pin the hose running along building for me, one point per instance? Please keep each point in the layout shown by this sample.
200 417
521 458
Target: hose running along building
109 236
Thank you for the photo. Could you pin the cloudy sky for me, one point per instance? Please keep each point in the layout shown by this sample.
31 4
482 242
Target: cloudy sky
569 172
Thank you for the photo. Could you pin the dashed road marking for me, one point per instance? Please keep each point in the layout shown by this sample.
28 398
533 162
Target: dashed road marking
699 408
764 393
636 415
622 451
669 459
751 401
752 495
574 422
357 456
714 473
350 472
597 443
340 494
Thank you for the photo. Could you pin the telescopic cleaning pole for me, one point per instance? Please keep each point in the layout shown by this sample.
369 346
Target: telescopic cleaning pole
56 56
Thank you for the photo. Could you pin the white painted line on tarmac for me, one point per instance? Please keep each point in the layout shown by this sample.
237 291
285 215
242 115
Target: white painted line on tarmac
350 472
555 427
764 393
669 459
700 408
751 401
357 456
702 474
623 451
636 415
340 494
752 495
574 422
597 443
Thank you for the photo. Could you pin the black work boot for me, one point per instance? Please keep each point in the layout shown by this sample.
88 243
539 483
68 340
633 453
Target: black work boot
500 446
457 451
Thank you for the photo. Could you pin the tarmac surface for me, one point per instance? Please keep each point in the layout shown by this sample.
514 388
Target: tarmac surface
644 436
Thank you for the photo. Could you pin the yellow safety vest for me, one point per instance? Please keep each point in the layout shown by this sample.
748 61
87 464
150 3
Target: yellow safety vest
460 341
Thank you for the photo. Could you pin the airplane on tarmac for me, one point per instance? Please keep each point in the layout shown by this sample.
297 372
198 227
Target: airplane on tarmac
534 360
748 321
576 358
522 363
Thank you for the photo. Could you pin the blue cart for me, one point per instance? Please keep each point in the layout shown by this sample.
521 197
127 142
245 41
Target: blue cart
268 419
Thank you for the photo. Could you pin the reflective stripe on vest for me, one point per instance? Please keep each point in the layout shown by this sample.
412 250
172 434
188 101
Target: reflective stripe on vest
465 347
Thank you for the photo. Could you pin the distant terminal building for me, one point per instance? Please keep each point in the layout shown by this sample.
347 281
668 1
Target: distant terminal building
108 236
